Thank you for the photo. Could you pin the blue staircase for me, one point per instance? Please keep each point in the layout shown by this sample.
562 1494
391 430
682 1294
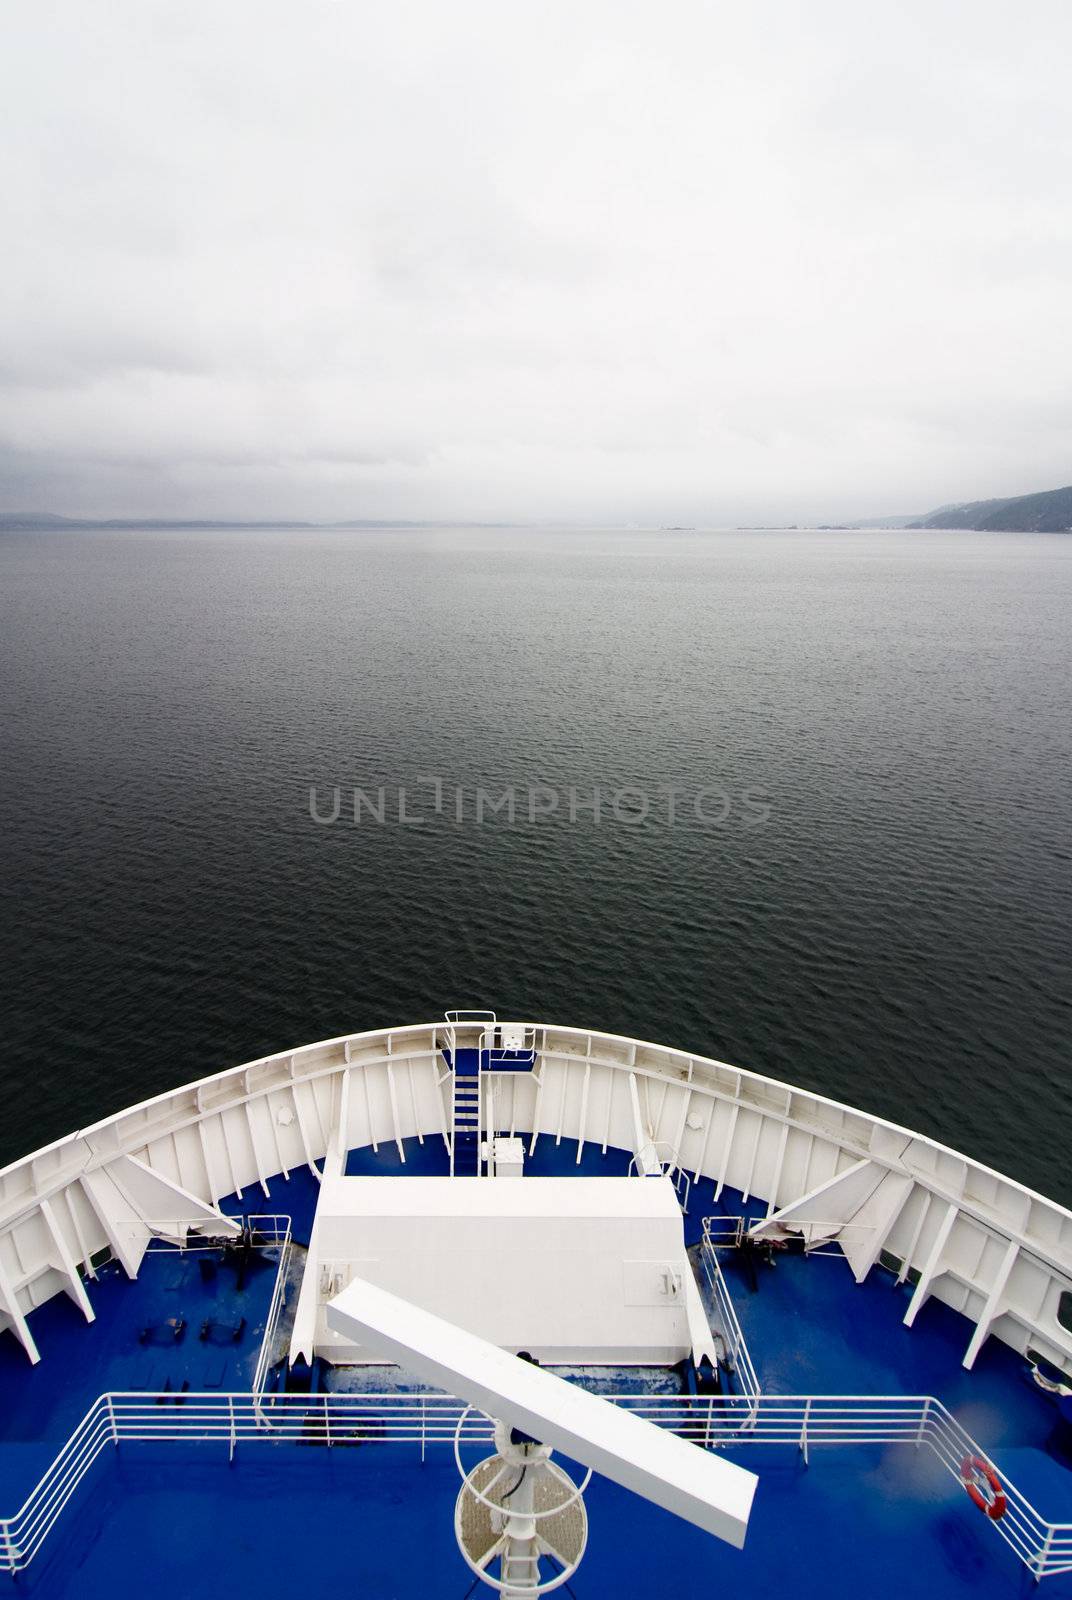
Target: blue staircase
467 1066
466 1133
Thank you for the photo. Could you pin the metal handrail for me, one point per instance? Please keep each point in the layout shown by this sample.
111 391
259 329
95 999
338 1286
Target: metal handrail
670 1167
263 1230
276 1236
802 1422
723 1233
268 1231
743 1365
462 1019
490 1052
711 1421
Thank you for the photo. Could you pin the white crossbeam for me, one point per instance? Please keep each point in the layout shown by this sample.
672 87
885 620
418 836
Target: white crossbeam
704 1489
933 1267
64 1262
12 1311
994 1303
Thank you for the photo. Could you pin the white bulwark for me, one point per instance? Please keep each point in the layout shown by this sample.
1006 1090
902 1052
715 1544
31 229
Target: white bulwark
973 1238
577 1271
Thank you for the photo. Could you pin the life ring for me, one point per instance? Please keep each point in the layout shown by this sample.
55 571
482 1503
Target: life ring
977 1476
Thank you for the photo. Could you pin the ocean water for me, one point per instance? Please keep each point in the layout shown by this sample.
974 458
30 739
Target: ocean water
865 889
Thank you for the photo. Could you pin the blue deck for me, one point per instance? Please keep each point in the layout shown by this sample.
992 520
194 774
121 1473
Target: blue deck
375 1520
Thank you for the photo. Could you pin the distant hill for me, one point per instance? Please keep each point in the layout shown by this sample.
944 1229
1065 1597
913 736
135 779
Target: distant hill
1048 512
34 519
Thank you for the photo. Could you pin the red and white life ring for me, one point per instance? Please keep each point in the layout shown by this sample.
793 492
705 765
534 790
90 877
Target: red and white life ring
984 1487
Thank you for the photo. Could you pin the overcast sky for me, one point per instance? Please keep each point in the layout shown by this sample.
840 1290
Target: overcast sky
661 262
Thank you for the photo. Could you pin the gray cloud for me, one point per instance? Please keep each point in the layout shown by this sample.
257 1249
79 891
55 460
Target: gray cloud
693 263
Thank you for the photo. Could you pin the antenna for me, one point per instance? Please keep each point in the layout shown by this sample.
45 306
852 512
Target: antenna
517 1501
516 1508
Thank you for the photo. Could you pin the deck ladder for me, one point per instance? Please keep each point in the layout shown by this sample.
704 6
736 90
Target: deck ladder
465 1119
498 1047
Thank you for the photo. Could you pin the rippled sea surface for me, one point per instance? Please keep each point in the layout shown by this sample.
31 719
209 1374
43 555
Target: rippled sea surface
894 934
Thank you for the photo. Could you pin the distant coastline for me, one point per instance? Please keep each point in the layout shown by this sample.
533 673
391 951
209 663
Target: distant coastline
1049 511
43 521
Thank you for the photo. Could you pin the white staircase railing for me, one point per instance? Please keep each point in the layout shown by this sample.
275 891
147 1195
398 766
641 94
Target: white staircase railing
497 1046
465 1104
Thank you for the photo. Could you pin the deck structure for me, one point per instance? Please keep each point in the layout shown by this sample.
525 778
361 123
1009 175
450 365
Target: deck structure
915 1257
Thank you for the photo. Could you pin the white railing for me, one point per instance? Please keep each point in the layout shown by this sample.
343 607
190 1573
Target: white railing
493 1052
669 1166
260 1231
491 1044
464 1019
232 1419
337 1420
723 1233
738 1357
267 1232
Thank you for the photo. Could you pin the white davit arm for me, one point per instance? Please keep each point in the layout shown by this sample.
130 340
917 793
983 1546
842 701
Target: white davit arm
702 1488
